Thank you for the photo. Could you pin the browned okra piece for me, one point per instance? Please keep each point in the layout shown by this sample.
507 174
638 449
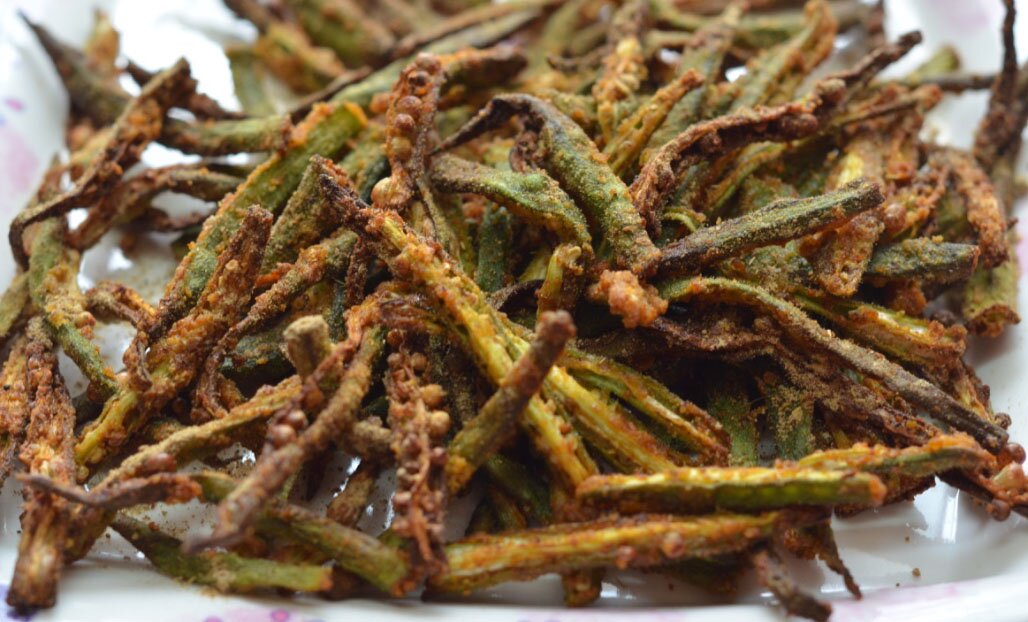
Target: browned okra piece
479 438
173 361
772 574
483 560
14 404
665 168
867 362
1000 128
47 451
570 157
781 221
984 211
137 126
290 440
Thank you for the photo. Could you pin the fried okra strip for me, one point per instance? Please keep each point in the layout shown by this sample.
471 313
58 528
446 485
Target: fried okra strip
350 503
131 199
14 404
984 212
778 222
632 134
202 106
495 248
941 453
925 260
136 127
155 488
53 270
712 43
291 441
677 418
480 36
173 361
325 131
988 302
305 219
46 451
703 490
225 572
345 28
466 304
218 137
571 158
1000 128
373 560
110 301
481 437
12 305
531 196
248 80
314 264
180 448
867 362
771 573
624 67
701 141
483 560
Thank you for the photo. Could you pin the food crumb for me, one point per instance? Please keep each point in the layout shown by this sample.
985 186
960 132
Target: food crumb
916 572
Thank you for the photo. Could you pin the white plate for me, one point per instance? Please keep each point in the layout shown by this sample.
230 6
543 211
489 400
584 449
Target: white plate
969 566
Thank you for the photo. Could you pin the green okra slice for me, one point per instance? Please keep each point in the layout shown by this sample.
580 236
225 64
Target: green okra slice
778 222
345 28
482 436
533 196
325 131
988 300
942 453
380 564
173 361
729 404
923 342
924 259
314 264
46 451
288 54
304 220
800 327
52 273
495 248
524 485
474 17
701 490
248 81
225 572
571 158
678 418
483 560
12 305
